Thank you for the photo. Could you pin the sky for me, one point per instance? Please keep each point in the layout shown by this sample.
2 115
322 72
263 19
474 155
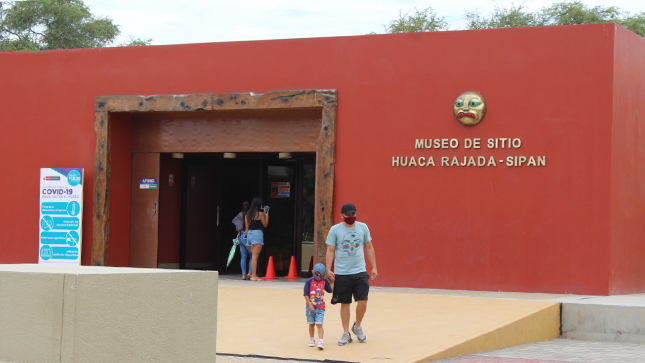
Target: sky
205 21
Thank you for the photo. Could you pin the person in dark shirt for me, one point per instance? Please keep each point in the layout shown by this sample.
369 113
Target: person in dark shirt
255 221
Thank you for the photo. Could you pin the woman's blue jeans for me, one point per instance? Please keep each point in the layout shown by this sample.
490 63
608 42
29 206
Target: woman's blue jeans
245 260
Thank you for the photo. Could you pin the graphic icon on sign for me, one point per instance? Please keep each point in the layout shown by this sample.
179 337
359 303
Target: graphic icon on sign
74 178
47 223
72 238
73 208
46 252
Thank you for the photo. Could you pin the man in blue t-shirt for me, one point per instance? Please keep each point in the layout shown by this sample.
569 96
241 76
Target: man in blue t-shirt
348 243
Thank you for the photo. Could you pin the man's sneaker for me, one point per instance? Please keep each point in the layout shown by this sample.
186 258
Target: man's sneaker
358 331
347 338
321 344
312 342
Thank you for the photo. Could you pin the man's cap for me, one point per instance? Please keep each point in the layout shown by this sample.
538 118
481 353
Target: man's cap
348 208
319 267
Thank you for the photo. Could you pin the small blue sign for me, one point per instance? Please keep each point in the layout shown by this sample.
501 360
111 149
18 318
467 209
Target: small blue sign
53 238
66 223
54 208
147 183
64 253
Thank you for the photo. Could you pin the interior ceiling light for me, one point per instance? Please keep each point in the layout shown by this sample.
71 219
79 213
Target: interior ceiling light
230 155
284 155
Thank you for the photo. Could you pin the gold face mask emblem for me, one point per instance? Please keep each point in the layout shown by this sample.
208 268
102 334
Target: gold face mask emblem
470 108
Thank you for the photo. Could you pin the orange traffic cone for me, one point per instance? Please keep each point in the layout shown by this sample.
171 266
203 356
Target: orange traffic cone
270 275
292 269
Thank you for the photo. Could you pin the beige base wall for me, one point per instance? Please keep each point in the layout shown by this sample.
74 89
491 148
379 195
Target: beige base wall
106 314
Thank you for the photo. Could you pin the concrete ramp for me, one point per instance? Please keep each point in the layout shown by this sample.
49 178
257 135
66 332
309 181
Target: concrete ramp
400 328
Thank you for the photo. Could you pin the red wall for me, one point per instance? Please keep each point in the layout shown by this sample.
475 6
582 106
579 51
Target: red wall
542 229
170 216
120 189
628 166
518 229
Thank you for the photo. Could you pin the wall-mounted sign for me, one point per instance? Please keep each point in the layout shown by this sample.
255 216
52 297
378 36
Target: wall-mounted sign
439 146
280 190
469 109
147 183
61 216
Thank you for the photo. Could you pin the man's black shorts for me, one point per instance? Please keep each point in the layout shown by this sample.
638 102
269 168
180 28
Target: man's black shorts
347 285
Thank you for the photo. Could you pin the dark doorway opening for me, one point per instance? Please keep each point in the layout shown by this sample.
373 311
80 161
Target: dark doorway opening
213 190
301 121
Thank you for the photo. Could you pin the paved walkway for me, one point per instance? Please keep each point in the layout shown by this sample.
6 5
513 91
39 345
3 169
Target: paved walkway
561 350
552 351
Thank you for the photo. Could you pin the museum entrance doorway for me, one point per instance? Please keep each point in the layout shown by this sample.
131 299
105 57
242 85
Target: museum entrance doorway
183 206
169 152
212 191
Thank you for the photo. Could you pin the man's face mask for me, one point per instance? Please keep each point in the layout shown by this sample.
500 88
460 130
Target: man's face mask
350 219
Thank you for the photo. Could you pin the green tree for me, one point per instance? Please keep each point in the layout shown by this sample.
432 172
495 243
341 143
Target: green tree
569 13
425 20
561 13
635 23
54 24
136 42
511 17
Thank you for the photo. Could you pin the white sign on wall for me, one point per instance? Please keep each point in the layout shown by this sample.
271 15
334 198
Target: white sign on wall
61 216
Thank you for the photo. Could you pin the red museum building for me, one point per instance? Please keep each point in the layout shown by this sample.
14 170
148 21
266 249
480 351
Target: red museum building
545 194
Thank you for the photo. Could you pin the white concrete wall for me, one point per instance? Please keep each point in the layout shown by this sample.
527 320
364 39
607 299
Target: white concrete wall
604 323
106 314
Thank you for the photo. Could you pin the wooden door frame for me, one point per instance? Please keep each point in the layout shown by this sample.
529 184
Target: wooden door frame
325 100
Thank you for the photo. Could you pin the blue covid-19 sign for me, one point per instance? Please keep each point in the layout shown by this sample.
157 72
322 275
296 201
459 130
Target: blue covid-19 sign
61 217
